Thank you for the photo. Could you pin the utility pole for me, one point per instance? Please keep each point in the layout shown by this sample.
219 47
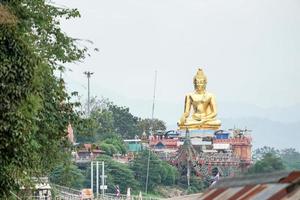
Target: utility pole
103 187
97 179
152 117
92 174
88 74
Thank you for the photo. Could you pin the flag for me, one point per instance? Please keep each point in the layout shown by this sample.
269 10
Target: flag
215 179
118 193
128 196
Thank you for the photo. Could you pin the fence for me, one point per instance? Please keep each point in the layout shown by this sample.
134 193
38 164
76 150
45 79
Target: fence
109 196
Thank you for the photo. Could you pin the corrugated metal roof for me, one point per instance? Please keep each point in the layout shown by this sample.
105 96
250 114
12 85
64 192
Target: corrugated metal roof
269 191
251 179
278 185
295 195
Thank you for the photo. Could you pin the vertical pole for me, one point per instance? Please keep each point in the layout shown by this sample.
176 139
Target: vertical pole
188 172
148 163
102 179
88 74
92 176
89 94
153 103
97 178
152 117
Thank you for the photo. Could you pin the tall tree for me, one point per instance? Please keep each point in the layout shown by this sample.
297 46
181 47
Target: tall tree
139 166
160 172
125 123
269 162
260 152
117 174
148 124
67 174
291 158
35 108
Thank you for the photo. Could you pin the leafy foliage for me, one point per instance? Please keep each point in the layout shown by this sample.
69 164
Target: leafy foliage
124 122
35 109
148 124
269 162
19 105
160 172
291 158
259 153
68 175
118 174
270 159
113 145
107 119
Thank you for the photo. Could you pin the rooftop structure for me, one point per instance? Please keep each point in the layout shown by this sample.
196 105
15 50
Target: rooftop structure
86 153
277 185
223 151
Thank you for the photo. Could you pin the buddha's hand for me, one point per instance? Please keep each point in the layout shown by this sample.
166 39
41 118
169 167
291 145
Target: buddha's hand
198 116
204 120
182 120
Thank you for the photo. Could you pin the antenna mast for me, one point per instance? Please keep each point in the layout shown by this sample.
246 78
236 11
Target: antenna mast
152 117
88 74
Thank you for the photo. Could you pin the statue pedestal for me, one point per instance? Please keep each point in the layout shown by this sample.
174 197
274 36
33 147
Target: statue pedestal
199 127
196 133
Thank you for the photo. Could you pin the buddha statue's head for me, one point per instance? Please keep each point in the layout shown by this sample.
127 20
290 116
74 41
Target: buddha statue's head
200 80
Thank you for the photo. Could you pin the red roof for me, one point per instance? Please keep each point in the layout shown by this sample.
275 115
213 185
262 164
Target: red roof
87 146
166 142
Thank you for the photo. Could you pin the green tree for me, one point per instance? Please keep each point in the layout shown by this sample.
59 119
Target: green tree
68 175
125 123
146 125
112 145
290 158
19 106
107 119
259 153
97 126
117 174
160 172
269 162
196 185
169 174
35 108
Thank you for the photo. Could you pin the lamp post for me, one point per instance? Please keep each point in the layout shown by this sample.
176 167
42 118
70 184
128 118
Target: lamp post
88 74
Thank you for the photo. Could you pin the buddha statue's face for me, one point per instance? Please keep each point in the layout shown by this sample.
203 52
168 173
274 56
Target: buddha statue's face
200 84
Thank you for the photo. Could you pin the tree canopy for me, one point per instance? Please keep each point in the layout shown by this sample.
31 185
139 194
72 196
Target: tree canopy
269 159
160 172
107 119
35 108
118 174
153 125
268 163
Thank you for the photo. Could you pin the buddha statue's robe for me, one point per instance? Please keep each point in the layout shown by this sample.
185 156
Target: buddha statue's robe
200 108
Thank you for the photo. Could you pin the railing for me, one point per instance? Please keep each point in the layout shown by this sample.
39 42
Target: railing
109 196
65 193
48 197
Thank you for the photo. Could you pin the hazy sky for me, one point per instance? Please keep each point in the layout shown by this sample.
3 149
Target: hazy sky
249 50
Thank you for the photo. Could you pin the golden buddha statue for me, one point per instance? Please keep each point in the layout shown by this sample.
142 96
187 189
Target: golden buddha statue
204 107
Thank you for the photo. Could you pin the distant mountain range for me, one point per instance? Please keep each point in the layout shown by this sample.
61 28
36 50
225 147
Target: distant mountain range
275 127
286 114
265 132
